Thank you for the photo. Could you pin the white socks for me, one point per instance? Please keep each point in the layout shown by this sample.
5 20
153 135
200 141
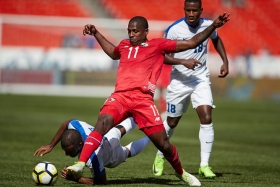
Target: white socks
137 146
206 137
169 133
128 124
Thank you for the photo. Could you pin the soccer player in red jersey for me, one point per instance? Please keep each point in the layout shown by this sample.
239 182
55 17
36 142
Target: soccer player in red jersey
140 65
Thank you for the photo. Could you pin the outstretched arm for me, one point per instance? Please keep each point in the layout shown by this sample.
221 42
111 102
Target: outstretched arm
48 148
219 46
107 46
188 63
183 45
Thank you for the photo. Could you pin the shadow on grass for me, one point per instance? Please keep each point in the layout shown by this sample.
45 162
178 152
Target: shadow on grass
221 174
218 175
149 180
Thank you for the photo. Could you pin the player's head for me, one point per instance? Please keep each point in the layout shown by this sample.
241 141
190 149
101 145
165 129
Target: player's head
71 142
193 9
138 30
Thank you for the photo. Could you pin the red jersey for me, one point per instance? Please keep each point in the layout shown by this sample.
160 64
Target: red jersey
140 66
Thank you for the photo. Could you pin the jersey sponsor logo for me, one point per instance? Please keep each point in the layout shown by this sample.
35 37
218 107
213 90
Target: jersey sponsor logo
157 119
90 143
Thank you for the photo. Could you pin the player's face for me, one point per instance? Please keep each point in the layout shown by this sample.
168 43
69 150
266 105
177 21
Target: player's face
136 33
73 150
193 11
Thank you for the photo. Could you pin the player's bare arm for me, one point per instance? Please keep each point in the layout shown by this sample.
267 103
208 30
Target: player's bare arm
219 46
57 137
200 37
188 63
107 46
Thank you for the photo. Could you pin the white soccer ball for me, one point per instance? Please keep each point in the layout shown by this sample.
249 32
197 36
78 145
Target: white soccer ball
45 173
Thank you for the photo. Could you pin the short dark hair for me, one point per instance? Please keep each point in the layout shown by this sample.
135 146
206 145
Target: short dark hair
70 137
194 1
141 20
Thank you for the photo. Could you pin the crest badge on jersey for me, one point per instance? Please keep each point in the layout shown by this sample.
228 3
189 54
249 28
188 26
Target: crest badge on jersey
144 44
111 99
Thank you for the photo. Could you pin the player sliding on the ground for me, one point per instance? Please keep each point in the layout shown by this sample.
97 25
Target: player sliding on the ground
73 134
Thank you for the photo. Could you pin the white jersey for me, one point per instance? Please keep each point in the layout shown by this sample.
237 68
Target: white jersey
109 154
180 30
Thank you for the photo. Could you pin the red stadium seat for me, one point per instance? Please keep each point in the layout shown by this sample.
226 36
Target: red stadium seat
32 35
44 8
253 26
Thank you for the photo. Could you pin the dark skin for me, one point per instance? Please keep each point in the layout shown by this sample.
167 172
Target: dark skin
73 151
193 11
137 34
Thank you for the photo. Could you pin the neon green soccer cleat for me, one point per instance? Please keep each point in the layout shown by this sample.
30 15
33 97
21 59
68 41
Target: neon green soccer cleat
76 170
206 172
188 178
158 165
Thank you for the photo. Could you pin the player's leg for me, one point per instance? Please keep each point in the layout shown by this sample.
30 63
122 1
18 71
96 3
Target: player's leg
126 126
135 147
159 138
93 141
108 117
158 165
203 103
178 100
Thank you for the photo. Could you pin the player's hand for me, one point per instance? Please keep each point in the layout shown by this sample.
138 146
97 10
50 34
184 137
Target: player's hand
90 30
223 71
43 150
68 176
64 173
221 20
190 63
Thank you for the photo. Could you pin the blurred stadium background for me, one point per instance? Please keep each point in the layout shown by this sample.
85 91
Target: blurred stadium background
43 51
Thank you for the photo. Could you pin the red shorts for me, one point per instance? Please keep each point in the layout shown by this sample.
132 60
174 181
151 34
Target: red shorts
136 104
151 130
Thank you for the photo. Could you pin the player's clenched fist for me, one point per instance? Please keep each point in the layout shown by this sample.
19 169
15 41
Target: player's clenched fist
90 30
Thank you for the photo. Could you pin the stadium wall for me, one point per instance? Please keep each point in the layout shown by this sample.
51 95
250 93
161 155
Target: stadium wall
34 59
238 88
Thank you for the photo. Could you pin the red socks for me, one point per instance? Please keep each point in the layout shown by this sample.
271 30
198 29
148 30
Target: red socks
174 160
92 143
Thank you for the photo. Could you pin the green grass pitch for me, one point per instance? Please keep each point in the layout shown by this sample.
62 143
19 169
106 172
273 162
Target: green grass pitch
246 151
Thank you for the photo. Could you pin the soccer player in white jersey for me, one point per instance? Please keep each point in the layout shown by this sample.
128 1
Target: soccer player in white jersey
110 154
192 84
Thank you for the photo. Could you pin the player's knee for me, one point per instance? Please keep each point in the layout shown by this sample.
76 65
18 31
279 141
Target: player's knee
173 121
104 124
206 119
